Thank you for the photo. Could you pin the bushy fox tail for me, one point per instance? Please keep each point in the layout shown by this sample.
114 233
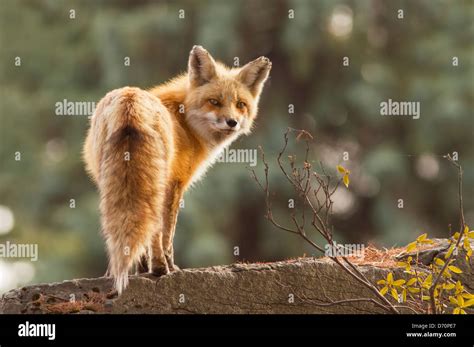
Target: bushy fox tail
127 153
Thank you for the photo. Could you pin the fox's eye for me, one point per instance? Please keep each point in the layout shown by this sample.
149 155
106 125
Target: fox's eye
241 104
214 102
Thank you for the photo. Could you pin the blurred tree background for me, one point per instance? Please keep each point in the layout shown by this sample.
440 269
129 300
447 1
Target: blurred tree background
391 158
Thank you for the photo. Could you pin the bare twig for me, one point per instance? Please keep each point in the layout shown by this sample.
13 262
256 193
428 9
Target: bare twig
316 191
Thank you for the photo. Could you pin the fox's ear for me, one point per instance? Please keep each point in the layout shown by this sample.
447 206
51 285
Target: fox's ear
255 73
201 66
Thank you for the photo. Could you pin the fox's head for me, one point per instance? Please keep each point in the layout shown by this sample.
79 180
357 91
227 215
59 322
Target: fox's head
221 102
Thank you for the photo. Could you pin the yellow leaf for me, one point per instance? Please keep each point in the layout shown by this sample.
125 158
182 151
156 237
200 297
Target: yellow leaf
470 234
455 269
468 303
456 310
460 301
381 282
453 301
446 273
390 278
404 295
422 237
345 179
425 298
384 290
467 244
398 283
450 250
427 281
341 169
411 246
413 290
468 296
461 311
439 262
449 286
456 236
412 281
394 293
466 230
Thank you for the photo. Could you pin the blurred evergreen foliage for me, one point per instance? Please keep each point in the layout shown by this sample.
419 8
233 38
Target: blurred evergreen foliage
81 59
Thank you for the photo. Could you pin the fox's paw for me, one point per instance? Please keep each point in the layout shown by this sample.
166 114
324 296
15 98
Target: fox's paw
159 267
160 270
171 265
175 268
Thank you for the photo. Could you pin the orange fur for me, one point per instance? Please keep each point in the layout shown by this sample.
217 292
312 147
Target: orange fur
145 148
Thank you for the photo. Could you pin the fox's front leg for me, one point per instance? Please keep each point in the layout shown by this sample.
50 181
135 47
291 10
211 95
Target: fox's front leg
159 265
162 246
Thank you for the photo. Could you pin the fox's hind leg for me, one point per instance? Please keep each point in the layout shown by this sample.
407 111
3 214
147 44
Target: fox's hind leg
170 215
162 243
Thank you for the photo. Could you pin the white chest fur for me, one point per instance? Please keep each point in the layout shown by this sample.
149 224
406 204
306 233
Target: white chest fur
211 159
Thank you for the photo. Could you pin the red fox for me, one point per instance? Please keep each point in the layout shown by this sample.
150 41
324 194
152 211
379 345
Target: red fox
145 148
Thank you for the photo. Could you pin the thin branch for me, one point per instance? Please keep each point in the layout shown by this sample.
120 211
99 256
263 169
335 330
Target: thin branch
462 225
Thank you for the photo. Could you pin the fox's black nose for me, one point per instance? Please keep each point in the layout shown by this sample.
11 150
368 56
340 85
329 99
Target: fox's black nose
231 122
